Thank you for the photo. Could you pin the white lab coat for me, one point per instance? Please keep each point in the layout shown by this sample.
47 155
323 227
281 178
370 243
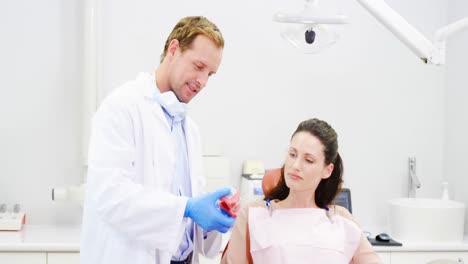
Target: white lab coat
130 214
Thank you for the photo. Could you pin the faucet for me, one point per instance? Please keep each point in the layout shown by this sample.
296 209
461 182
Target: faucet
413 180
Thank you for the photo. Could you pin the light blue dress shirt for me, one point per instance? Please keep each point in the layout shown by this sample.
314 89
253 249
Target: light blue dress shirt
181 184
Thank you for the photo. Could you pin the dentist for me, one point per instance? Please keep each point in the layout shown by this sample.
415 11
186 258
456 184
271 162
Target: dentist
144 201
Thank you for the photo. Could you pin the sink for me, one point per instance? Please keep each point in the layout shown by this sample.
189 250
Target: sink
426 220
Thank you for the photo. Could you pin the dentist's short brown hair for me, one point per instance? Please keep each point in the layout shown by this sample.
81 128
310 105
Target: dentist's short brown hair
188 28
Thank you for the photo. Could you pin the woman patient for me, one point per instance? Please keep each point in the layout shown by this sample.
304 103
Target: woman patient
296 223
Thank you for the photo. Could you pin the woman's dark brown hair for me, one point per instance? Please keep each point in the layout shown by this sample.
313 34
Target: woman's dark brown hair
327 188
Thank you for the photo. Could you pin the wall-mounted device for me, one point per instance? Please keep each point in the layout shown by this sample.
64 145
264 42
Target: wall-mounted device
251 181
70 193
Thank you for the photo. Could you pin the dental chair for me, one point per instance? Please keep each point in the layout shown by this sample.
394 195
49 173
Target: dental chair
272 177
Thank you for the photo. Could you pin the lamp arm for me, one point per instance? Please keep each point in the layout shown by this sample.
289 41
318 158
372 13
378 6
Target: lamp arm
404 31
445 32
429 52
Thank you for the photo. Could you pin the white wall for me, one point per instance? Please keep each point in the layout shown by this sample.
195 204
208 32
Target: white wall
456 110
40 105
384 103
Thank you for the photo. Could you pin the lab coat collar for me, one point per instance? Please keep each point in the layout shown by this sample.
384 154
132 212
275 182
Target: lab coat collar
147 86
168 100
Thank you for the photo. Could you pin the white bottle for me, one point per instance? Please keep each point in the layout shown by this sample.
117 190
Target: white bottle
445 192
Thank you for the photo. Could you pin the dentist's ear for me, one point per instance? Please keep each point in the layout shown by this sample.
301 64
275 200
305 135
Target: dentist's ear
327 171
173 45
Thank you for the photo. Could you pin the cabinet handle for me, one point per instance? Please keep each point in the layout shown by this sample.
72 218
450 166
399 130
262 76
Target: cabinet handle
446 261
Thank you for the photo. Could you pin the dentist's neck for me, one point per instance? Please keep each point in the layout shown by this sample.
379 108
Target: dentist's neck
161 79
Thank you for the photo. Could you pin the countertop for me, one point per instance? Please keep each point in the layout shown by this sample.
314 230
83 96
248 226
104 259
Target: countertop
41 238
67 239
421 247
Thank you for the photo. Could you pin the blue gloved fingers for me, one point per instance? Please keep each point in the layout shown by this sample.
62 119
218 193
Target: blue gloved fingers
204 211
225 219
220 221
188 206
224 230
221 192
224 222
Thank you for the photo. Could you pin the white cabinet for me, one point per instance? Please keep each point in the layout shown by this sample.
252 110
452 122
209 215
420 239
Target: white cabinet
429 257
205 260
63 258
23 257
40 257
385 256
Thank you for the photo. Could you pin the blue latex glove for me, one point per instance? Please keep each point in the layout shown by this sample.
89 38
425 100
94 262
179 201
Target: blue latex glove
204 211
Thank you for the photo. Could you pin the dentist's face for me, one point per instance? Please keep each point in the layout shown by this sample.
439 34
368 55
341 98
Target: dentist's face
305 163
189 70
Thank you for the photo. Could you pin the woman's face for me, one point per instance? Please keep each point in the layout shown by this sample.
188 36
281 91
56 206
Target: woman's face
305 163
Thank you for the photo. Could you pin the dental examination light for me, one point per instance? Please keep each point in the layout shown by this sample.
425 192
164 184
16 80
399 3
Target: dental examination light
430 52
308 30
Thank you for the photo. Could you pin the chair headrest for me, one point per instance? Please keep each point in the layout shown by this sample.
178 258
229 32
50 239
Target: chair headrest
270 180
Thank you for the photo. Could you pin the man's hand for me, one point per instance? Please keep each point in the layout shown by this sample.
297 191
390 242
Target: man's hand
204 211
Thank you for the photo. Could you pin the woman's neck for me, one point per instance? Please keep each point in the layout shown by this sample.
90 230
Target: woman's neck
299 200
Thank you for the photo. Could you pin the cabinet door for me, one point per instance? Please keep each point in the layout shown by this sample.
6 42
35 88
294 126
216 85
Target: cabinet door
23 257
63 258
429 257
205 260
385 257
